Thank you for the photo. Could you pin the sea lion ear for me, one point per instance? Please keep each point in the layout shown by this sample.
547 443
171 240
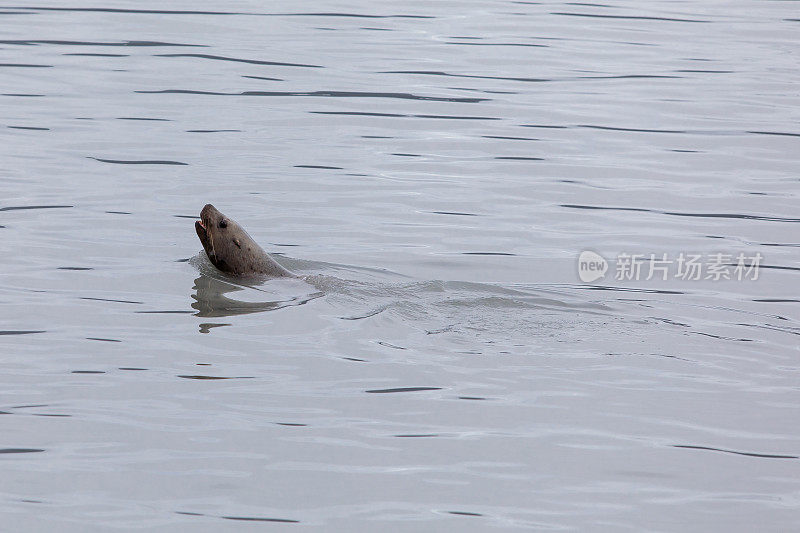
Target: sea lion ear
237 243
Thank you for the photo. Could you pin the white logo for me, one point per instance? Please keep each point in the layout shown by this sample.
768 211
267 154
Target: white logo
591 266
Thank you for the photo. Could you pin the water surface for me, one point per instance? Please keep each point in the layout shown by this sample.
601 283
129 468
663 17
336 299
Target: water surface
433 171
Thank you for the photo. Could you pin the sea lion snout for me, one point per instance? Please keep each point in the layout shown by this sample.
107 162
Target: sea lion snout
210 214
210 220
205 227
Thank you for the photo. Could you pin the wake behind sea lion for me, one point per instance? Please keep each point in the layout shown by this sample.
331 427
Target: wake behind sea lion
231 249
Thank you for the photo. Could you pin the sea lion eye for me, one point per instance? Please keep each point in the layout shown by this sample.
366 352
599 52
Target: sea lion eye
223 223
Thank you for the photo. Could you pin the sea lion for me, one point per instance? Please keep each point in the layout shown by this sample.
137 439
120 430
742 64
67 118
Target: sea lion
231 249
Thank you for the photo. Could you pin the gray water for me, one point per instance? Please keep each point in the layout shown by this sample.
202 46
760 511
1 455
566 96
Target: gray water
431 170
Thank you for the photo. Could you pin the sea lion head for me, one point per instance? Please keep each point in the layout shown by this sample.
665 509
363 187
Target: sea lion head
231 249
223 240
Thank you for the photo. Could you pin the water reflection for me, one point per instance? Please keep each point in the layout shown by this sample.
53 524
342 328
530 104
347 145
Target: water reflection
211 300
